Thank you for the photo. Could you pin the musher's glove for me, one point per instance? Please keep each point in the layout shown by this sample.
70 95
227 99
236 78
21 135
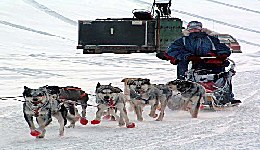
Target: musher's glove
161 56
173 60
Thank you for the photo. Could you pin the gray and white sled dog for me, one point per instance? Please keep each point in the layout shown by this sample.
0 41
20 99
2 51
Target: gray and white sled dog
40 105
72 96
110 98
192 95
141 93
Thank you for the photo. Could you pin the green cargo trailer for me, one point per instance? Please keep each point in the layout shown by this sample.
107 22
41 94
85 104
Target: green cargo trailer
127 35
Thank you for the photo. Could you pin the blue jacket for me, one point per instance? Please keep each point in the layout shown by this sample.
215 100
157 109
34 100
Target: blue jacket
197 43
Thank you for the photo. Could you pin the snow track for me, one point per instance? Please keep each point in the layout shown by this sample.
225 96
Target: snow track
238 7
217 21
30 29
25 28
50 12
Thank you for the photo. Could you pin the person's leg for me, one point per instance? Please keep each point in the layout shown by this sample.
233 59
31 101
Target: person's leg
182 67
231 95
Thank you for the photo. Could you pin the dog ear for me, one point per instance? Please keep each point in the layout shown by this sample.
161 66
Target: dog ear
130 82
54 89
123 80
117 90
44 89
170 82
98 85
147 81
26 91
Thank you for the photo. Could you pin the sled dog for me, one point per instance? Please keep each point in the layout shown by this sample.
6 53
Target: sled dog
142 93
38 104
192 95
72 96
108 99
126 87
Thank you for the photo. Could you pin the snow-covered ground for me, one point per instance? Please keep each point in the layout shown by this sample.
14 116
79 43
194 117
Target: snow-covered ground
38 41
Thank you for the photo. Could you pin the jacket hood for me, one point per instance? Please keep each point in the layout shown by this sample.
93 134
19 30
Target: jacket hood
185 32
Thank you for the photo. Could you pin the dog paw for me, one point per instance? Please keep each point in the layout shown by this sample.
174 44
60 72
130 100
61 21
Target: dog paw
83 121
153 116
61 134
140 119
121 124
132 125
71 126
95 121
158 119
35 133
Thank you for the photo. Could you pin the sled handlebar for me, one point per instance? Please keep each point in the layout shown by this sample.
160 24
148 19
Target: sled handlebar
208 57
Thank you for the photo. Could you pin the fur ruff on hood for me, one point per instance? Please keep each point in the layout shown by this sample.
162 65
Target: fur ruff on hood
185 32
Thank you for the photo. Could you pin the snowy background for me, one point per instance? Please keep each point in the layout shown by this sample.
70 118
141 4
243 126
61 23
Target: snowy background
38 40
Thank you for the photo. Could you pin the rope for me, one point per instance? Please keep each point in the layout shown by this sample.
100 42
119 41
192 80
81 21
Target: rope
11 97
75 102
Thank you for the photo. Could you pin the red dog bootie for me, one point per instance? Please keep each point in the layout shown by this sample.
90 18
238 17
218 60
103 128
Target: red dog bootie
83 121
35 133
95 121
201 107
132 125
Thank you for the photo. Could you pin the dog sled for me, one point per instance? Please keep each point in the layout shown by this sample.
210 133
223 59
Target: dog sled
218 86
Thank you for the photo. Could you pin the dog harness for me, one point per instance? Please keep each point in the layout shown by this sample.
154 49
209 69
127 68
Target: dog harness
36 111
146 101
137 96
110 102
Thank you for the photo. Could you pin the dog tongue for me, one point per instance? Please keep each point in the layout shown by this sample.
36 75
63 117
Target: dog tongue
83 121
35 133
